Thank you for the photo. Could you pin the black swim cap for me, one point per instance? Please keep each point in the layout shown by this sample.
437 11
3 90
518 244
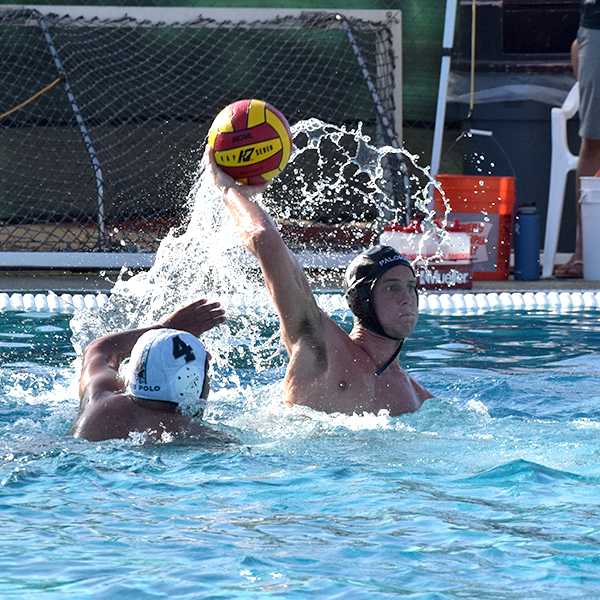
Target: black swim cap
362 275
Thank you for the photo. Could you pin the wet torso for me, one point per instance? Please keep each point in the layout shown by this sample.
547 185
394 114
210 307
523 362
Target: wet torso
337 375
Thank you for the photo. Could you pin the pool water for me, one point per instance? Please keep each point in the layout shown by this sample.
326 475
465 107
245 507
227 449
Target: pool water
491 490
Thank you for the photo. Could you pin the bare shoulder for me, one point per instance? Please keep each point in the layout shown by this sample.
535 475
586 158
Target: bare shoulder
422 392
104 416
338 340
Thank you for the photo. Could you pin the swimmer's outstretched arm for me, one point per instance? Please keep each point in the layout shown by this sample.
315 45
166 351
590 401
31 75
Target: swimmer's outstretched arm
102 357
284 277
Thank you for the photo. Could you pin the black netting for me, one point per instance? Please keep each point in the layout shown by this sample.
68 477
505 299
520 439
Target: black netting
116 176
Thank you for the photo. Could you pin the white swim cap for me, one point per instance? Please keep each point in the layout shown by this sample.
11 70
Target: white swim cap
168 365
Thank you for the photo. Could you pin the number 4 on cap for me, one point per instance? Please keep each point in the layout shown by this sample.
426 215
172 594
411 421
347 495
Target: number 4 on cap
180 348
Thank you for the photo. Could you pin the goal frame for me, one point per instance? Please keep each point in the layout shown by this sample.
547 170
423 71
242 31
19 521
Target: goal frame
173 15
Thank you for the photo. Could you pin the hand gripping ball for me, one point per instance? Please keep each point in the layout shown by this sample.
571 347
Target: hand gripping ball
251 140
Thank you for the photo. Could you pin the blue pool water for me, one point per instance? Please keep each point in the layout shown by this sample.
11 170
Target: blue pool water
492 490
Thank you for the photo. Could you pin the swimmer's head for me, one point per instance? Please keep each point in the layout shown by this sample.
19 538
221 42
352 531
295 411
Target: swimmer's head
170 366
361 277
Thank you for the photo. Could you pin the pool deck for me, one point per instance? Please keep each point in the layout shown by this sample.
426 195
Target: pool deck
59 281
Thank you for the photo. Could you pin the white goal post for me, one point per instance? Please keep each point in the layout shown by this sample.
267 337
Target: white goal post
389 113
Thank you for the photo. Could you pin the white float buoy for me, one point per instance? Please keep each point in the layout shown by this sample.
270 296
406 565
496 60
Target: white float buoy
458 301
529 300
41 302
565 300
589 300
16 301
54 304
576 299
482 301
517 300
541 298
4 302
552 298
28 302
470 301
78 302
101 300
89 301
454 302
505 300
433 300
445 302
493 299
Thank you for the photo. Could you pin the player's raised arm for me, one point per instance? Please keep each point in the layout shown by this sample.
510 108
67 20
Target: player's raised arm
284 277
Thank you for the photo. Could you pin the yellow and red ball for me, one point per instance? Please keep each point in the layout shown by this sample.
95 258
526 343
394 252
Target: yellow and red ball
251 140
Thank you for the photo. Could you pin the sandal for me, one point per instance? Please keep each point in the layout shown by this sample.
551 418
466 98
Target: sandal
573 269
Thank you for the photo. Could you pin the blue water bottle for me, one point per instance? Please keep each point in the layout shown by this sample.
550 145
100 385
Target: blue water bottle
527 243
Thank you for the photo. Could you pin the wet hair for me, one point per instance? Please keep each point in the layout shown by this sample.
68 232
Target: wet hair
360 279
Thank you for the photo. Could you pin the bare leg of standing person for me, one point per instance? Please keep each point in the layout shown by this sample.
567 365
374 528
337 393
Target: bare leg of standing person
588 166
586 66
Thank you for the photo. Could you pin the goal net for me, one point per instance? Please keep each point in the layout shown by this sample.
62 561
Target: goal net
103 111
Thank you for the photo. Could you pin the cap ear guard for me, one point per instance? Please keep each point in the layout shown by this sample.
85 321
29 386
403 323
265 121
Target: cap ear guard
188 387
360 301
188 383
361 277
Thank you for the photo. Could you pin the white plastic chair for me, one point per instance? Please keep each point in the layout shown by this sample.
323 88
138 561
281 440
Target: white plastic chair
563 161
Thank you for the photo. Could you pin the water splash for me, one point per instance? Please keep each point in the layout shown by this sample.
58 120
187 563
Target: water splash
335 176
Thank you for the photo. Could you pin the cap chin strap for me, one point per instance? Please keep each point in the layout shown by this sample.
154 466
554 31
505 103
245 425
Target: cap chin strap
394 355
389 361
372 324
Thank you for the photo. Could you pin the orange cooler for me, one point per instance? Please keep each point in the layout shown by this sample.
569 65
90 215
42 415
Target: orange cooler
487 202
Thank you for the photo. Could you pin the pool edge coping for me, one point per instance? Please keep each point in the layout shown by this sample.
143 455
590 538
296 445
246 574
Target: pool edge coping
459 301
